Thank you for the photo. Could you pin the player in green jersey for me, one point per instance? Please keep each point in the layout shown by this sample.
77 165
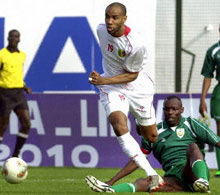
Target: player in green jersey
179 149
211 65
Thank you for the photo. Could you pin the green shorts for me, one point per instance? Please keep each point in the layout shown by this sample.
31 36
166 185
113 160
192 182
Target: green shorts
215 103
177 172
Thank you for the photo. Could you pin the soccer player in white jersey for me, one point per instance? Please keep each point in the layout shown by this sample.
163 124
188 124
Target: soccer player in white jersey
124 86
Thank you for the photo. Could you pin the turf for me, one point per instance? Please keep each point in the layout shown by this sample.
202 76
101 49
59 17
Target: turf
67 180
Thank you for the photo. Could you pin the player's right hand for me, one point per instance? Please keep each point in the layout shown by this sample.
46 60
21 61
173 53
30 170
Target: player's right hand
95 78
202 108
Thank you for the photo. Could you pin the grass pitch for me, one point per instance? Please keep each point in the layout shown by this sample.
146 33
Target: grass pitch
67 180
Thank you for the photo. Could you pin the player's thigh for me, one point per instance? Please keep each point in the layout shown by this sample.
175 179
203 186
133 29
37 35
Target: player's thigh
22 114
114 101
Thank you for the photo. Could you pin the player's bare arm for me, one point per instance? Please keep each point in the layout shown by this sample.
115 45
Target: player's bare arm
126 170
205 88
96 79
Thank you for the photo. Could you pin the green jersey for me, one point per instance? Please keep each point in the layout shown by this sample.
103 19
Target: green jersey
172 143
212 62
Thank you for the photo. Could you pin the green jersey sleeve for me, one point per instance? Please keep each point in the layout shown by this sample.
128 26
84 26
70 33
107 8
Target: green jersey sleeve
203 132
208 65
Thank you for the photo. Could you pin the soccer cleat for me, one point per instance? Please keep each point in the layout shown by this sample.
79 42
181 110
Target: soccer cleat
156 182
201 185
217 174
97 185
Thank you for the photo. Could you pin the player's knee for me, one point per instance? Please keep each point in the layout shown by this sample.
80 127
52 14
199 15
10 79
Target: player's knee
149 133
194 153
192 148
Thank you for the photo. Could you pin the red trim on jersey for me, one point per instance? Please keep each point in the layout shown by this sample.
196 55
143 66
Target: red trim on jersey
127 30
146 152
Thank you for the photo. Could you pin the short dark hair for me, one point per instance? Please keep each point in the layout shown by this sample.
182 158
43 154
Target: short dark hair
13 30
170 97
123 8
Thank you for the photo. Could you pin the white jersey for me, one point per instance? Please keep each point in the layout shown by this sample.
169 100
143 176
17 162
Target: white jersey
124 54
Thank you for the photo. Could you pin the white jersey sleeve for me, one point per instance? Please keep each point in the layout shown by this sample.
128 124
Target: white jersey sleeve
134 62
99 29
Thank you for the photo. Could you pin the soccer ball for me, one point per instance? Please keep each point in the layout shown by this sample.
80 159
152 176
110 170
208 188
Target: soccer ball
14 170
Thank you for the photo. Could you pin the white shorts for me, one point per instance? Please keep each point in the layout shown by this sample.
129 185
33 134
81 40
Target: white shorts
141 106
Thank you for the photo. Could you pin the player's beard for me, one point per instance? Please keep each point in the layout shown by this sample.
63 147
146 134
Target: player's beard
172 121
116 30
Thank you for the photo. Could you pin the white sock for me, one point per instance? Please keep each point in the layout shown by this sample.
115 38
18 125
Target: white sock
132 150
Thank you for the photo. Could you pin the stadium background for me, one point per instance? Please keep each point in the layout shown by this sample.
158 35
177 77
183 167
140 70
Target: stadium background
69 127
